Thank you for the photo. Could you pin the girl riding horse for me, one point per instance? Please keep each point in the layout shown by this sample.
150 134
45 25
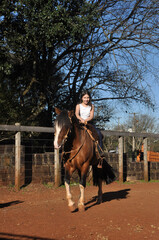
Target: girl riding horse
78 153
85 112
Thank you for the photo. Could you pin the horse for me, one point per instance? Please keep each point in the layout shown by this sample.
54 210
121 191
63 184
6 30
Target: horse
79 153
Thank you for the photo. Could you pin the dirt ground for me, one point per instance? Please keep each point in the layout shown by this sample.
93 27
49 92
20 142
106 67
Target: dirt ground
128 211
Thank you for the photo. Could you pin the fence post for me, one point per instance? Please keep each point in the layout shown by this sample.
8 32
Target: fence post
146 178
125 147
120 149
17 158
57 168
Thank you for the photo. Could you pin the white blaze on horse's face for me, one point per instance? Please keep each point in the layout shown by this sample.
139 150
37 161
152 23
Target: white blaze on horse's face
57 132
62 128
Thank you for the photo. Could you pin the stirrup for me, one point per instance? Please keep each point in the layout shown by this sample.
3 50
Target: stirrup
100 163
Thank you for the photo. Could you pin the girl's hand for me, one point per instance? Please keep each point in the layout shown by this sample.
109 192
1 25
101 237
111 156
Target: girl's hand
85 122
82 121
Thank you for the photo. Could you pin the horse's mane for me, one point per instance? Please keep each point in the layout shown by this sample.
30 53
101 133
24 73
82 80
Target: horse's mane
76 122
63 119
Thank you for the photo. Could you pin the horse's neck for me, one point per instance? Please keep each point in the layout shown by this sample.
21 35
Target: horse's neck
78 133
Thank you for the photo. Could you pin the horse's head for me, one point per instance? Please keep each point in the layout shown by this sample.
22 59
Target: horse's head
62 126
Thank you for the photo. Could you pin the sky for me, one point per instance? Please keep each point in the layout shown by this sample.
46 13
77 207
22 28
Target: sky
122 114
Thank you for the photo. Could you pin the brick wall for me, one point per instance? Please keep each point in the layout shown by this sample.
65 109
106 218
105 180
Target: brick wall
39 168
7 164
43 167
133 170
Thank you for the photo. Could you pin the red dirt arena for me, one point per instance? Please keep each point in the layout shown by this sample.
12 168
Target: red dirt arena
129 211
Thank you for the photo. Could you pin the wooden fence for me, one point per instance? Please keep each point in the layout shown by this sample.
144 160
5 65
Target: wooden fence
17 128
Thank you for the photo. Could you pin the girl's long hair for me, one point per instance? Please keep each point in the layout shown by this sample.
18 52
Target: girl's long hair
84 92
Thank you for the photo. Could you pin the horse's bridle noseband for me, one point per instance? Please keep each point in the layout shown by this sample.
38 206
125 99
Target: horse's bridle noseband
65 139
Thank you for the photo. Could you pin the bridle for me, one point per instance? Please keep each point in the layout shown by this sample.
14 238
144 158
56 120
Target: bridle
77 150
80 147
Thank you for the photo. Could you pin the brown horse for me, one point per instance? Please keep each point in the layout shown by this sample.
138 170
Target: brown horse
78 153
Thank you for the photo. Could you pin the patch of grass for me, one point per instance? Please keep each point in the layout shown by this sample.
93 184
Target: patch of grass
129 182
48 185
76 184
156 181
139 181
11 187
88 184
150 181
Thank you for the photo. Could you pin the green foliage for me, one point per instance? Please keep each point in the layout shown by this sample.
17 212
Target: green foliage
51 50
33 33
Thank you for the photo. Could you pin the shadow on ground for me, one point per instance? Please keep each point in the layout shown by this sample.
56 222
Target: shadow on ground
108 196
8 204
9 236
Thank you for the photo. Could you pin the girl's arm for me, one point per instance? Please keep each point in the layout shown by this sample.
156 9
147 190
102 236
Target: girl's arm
77 113
91 114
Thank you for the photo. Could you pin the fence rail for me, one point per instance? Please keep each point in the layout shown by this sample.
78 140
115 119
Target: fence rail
20 128
17 128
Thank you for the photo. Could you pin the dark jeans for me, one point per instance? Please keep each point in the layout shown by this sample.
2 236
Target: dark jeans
100 136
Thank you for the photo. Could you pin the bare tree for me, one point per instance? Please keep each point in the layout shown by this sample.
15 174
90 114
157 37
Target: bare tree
139 123
65 46
112 58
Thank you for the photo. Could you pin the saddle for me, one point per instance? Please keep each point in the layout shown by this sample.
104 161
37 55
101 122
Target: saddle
95 138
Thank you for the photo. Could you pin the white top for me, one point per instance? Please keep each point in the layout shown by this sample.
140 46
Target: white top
85 111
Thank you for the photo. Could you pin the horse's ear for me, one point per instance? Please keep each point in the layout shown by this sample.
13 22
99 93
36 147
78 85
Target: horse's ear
71 113
57 111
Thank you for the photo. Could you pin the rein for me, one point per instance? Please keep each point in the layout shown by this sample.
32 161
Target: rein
77 149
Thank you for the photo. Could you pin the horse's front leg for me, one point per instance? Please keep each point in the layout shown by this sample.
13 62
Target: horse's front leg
71 204
81 199
82 185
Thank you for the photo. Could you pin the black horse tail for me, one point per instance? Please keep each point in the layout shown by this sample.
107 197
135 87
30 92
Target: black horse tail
106 173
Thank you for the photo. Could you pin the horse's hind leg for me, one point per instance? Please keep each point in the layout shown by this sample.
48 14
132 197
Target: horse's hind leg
97 181
99 191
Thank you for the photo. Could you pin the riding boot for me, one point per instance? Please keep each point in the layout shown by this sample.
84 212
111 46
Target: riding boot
100 163
101 159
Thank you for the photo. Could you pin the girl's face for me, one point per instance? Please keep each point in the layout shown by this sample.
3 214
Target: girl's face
85 99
